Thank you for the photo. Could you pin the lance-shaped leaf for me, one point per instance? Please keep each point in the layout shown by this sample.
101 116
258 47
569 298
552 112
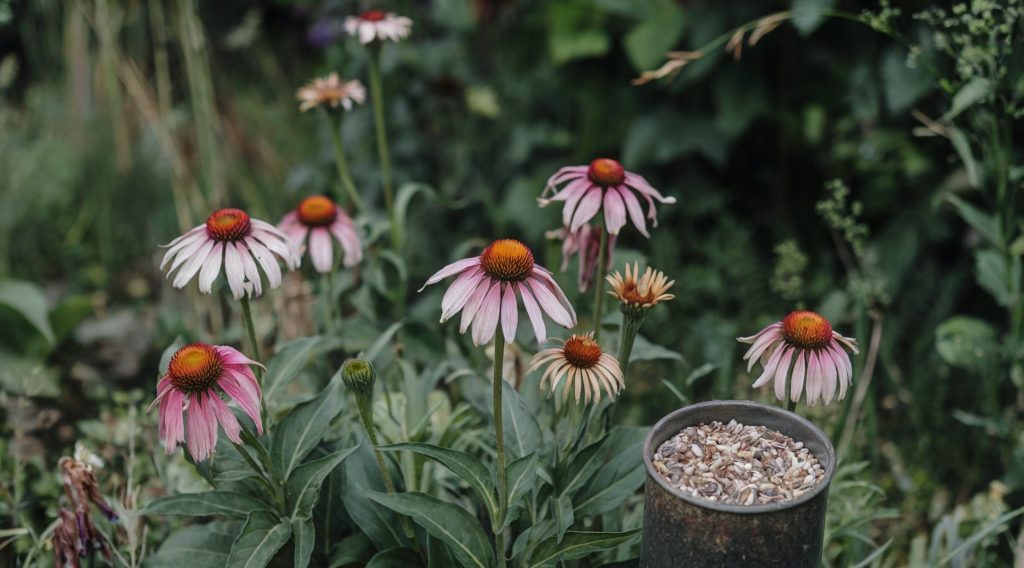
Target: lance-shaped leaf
394 558
286 364
521 476
465 465
522 434
302 429
220 503
303 536
303 488
450 523
578 545
262 536
198 546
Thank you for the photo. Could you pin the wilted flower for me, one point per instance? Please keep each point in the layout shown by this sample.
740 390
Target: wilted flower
585 368
81 487
196 376
331 92
75 537
586 242
485 291
378 25
638 292
602 186
319 218
820 360
230 237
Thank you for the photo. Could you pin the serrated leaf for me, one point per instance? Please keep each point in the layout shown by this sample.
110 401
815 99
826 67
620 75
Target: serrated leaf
28 300
448 522
262 536
197 546
300 431
303 487
394 558
578 545
286 364
522 433
521 476
466 466
222 503
304 536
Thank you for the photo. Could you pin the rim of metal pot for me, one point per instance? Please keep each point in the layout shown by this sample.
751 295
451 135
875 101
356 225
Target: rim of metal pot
830 468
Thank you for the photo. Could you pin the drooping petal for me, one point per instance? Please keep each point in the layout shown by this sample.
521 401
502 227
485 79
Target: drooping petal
172 424
211 268
267 261
459 293
796 386
487 320
192 266
199 426
636 212
246 399
252 274
614 211
549 303
473 305
829 375
762 344
509 313
234 270
588 208
769 368
813 378
546 277
451 269
780 373
533 310
226 418
321 250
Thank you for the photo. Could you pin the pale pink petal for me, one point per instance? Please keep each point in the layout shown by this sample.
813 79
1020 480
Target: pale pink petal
163 386
234 271
231 356
279 245
509 313
780 373
814 379
762 344
752 338
226 418
459 292
588 208
190 233
451 269
185 245
266 260
249 403
565 174
321 249
199 426
172 424
533 310
797 384
549 303
252 274
636 212
614 211
346 234
769 368
211 268
573 200
546 277
193 265
473 305
641 185
829 375
487 320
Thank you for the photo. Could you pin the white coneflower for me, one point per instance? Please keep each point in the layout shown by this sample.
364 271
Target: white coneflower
378 25
331 92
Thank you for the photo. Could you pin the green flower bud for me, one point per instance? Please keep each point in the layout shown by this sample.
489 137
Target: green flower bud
359 376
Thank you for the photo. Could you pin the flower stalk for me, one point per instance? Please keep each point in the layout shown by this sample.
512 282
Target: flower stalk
499 446
383 153
602 270
341 163
250 331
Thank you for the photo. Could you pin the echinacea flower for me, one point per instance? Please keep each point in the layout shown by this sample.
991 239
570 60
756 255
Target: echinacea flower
378 25
605 186
238 242
638 292
486 288
584 367
331 92
586 242
802 344
196 376
319 218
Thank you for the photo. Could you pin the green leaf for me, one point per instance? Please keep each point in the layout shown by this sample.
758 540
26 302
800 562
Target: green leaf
644 350
402 201
394 558
222 503
362 477
300 431
995 526
995 276
522 433
286 364
963 149
353 549
304 536
521 476
303 487
28 300
648 41
980 221
972 92
700 372
619 476
578 545
578 470
197 546
965 342
370 355
811 14
682 398
575 31
261 537
661 136
564 516
902 84
448 522
466 466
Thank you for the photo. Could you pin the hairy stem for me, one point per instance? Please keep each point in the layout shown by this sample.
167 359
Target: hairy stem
499 436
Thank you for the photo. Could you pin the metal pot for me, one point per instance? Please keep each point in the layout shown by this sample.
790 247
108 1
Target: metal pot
682 530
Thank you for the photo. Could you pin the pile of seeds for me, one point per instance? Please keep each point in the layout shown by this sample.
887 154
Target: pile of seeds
738 465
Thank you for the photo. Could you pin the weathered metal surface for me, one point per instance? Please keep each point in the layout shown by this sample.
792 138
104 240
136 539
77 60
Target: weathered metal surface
683 531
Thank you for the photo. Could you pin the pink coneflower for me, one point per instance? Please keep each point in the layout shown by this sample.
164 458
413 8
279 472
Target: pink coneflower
319 218
805 340
586 242
485 291
585 369
330 92
378 25
230 237
196 376
604 184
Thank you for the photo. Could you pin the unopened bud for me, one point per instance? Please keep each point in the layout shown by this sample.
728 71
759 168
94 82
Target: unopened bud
359 376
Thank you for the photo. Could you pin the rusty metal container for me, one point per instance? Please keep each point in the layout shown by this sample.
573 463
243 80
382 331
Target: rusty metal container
681 530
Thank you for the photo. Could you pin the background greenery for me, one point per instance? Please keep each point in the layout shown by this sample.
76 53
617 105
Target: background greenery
123 123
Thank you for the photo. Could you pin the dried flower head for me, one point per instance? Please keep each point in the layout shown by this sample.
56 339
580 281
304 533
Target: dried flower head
586 242
675 63
640 292
232 239
378 25
486 289
330 92
585 369
81 487
196 375
319 218
803 344
75 537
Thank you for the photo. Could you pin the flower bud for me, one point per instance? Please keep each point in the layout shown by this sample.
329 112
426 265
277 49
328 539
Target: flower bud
359 376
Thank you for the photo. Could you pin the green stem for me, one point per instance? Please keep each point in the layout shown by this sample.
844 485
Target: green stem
499 435
383 154
602 269
250 331
328 292
791 405
366 417
342 164
262 473
630 327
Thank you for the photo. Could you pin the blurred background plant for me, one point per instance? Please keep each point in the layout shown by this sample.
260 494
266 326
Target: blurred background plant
122 123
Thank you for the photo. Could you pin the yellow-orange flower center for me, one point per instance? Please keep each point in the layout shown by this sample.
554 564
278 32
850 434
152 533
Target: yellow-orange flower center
317 211
606 172
194 368
228 225
374 15
806 329
508 260
582 351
